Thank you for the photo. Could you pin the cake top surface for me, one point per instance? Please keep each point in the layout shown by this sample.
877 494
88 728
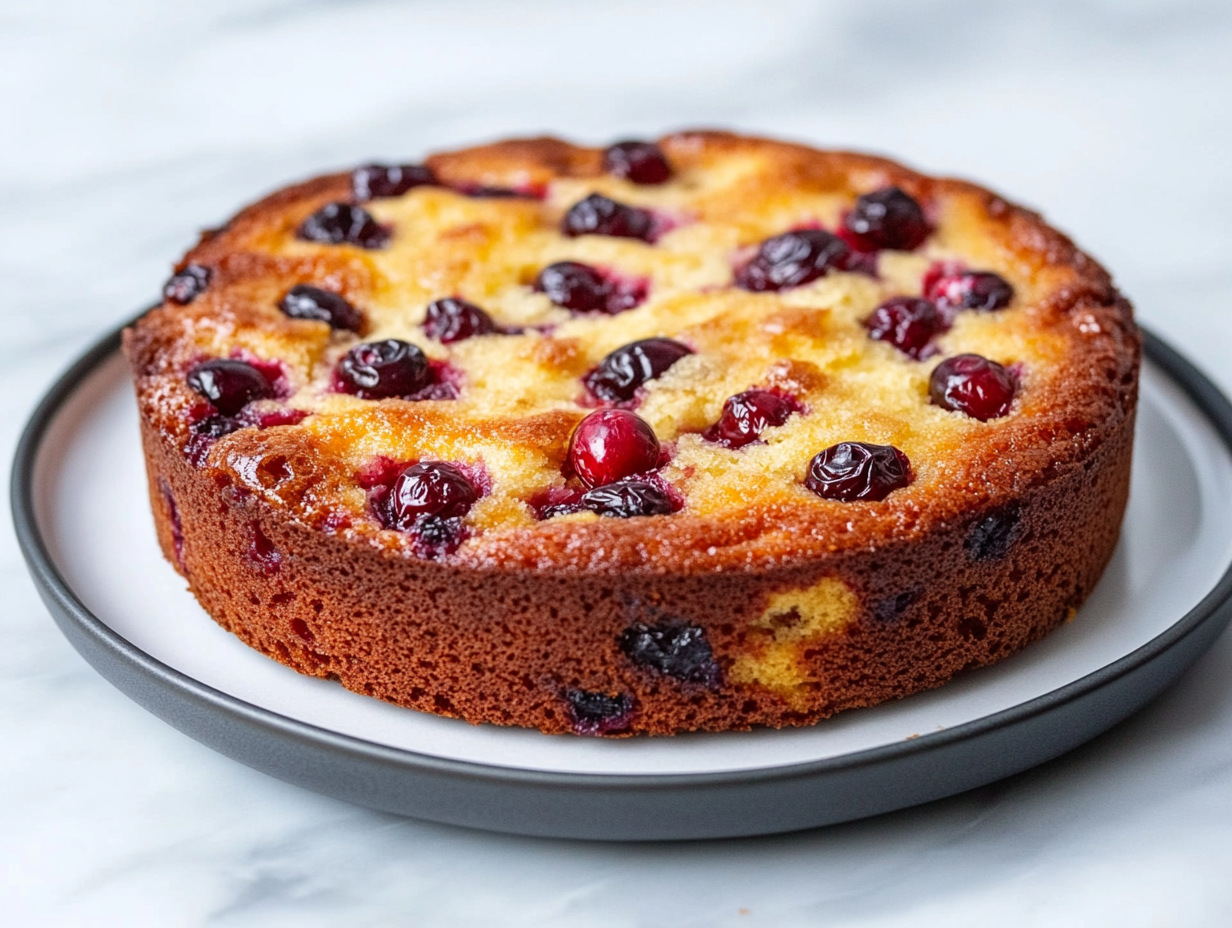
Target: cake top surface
826 349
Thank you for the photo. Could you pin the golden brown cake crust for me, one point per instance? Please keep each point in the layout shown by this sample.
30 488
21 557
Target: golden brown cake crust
809 606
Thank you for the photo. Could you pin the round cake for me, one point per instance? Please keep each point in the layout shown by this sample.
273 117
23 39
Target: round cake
706 433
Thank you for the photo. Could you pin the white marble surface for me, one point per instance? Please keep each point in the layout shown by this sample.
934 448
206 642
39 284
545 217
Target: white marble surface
128 125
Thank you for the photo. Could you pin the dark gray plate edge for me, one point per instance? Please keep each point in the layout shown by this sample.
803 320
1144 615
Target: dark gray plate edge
624 807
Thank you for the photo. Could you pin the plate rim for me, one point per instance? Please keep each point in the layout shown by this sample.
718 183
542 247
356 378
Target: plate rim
74 616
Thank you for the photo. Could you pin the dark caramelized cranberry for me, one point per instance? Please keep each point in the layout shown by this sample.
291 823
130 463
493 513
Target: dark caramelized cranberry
574 286
376 370
886 218
388 180
908 323
674 649
746 415
640 162
598 215
435 537
432 488
982 290
186 285
214 427
792 259
618 376
611 444
452 320
991 537
599 713
625 499
854 470
343 224
971 384
304 301
229 385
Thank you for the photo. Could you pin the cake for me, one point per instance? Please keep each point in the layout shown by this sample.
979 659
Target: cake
707 433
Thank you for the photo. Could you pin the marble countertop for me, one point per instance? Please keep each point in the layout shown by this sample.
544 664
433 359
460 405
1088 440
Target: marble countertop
128 126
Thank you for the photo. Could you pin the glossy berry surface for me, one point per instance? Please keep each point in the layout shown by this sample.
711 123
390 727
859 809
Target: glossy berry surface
376 370
908 323
573 285
431 488
343 224
598 215
617 377
388 180
887 218
612 444
453 320
674 649
187 284
598 713
746 415
305 301
974 385
625 499
229 385
856 470
639 162
979 290
793 259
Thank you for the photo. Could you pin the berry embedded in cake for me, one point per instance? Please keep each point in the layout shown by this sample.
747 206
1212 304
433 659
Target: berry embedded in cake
702 433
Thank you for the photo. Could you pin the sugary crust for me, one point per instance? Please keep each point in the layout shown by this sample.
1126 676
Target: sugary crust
270 532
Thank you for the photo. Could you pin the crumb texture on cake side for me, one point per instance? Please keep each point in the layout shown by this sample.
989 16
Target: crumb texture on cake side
701 434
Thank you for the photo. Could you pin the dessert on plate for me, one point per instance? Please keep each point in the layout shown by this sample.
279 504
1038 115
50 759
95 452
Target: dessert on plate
705 433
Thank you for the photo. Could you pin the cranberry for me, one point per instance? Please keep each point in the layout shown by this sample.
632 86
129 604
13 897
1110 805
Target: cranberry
215 427
618 376
991 537
908 323
746 415
982 290
388 180
304 301
556 501
792 259
886 218
598 713
597 215
640 162
853 470
625 499
611 444
343 224
452 320
229 385
971 384
672 648
431 488
376 370
187 284
574 286
434 537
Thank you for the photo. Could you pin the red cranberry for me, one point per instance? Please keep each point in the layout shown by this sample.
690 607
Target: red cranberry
672 648
886 218
792 259
611 444
640 162
432 488
452 320
618 376
343 224
187 284
971 384
746 415
304 301
574 286
981 290
598 215
856 470
908 323
598 713
229 385
376 370
388 180
625 499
